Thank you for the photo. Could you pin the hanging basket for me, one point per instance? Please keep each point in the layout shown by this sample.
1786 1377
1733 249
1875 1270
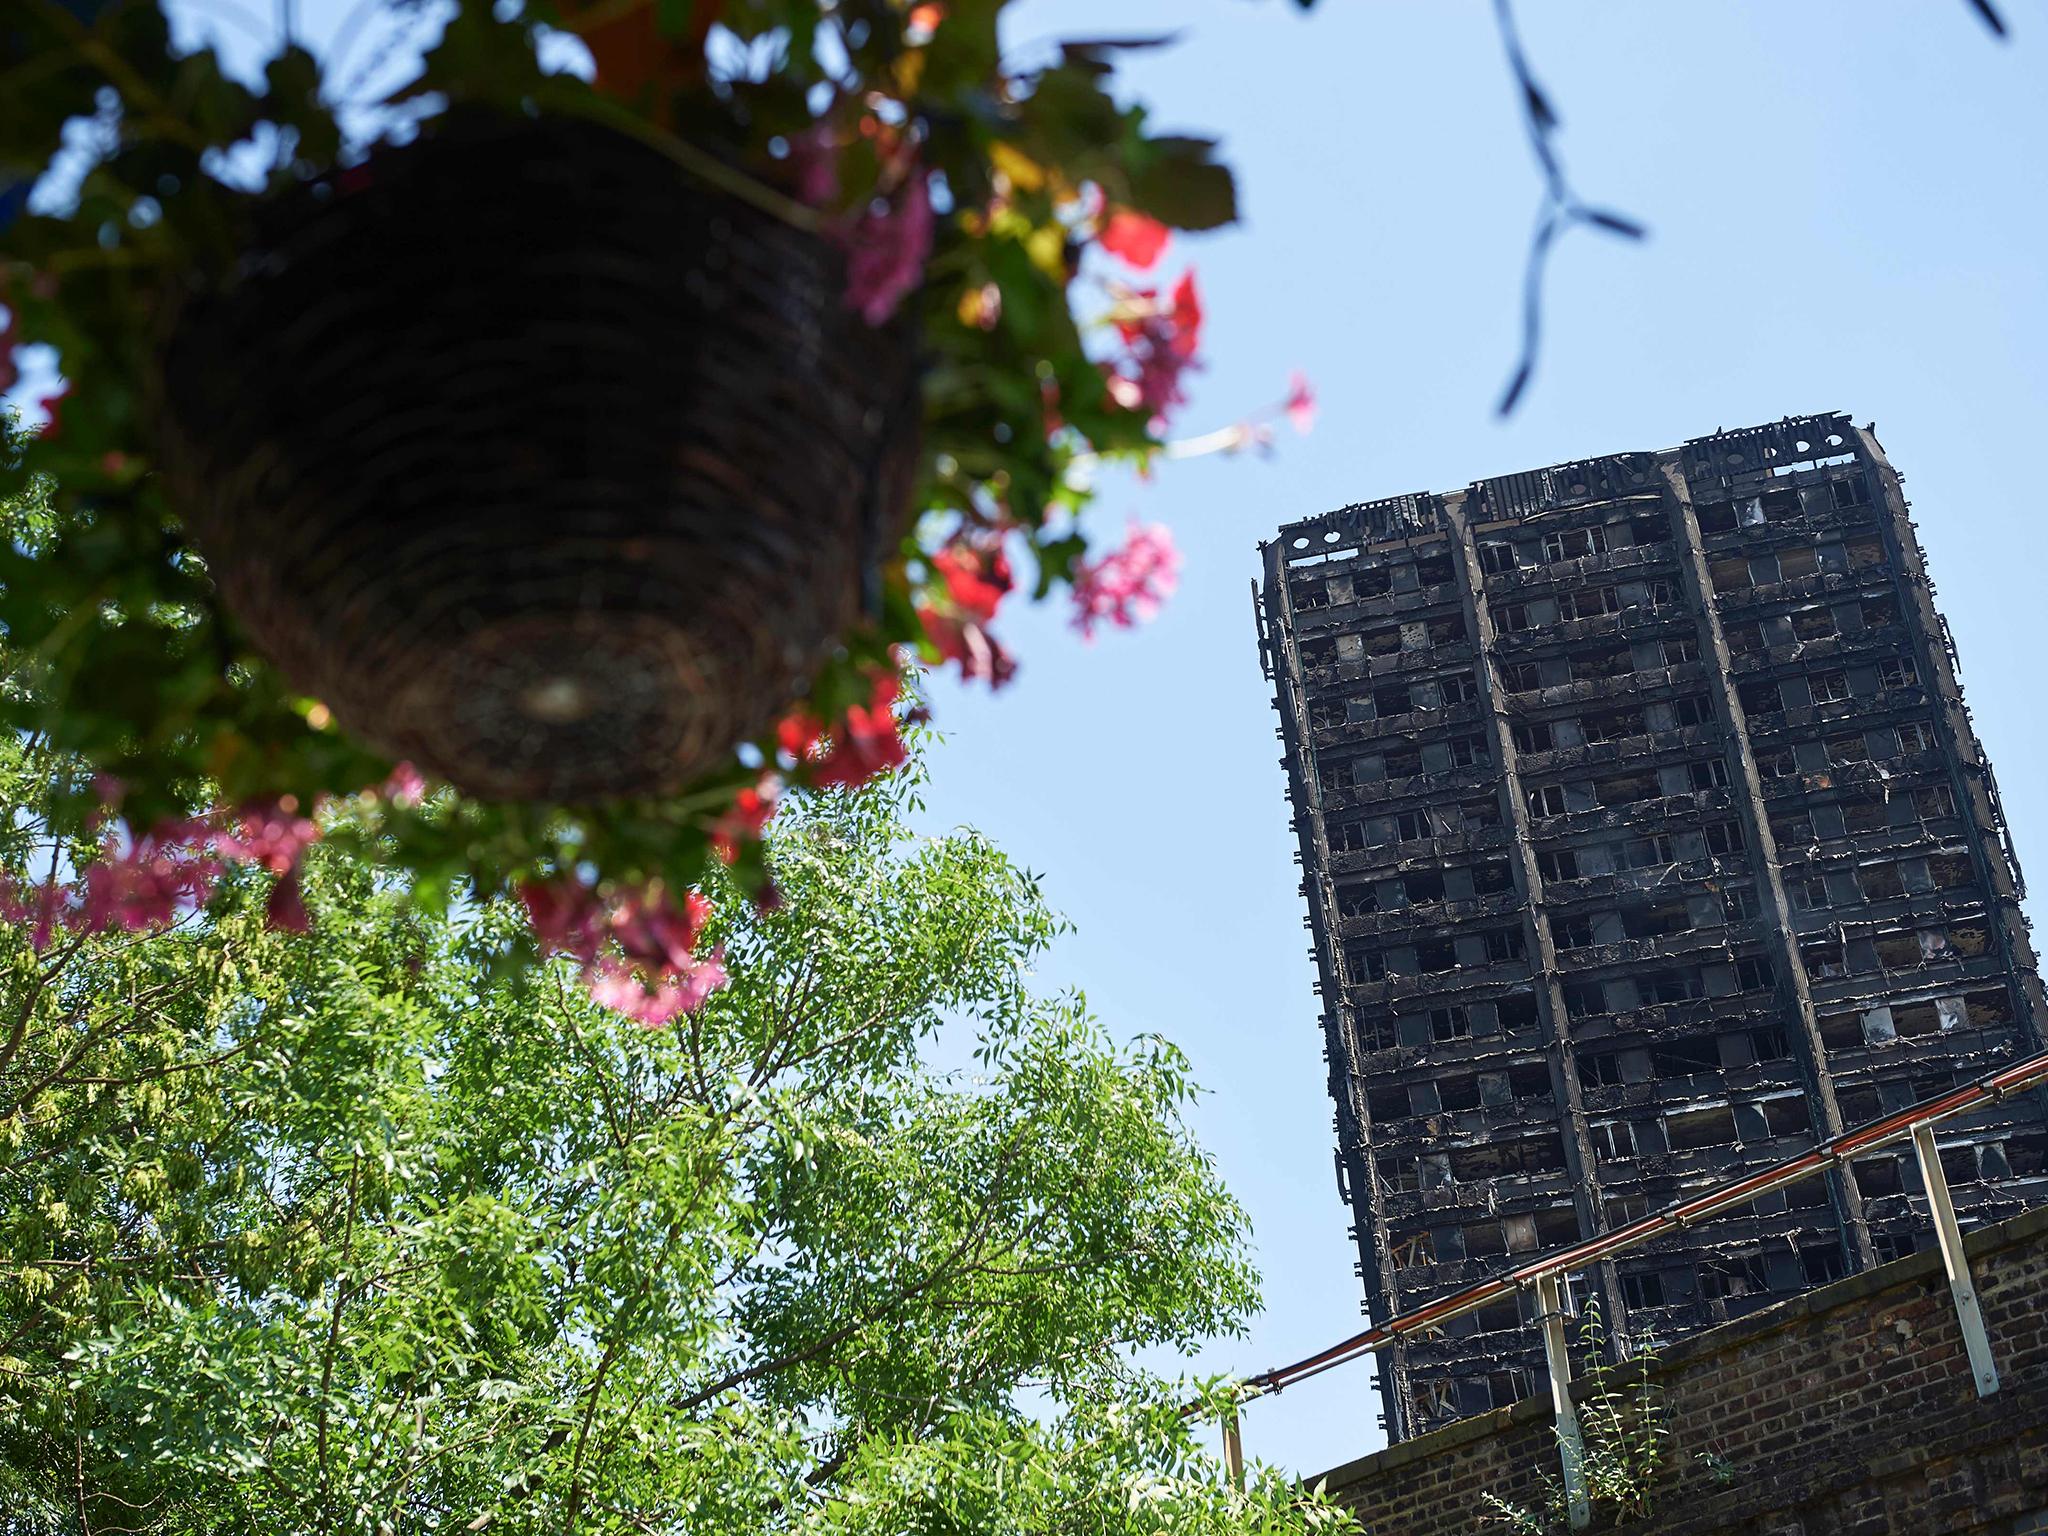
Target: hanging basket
540 463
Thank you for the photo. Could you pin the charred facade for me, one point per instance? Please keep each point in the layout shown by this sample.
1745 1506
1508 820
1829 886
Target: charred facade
1646 840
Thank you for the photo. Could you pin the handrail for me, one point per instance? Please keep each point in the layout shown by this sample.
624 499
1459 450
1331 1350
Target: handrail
1898 1126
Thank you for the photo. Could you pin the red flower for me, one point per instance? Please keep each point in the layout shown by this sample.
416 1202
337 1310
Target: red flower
860 746
959 638
1134 238
566 917
1049 401
286 908
1163 337
977 574
1187 316
52 407
747 818
866 742
799 733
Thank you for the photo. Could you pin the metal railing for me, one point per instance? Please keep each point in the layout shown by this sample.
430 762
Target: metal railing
1542 1274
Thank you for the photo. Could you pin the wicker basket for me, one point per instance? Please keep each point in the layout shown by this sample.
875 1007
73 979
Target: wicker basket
538 462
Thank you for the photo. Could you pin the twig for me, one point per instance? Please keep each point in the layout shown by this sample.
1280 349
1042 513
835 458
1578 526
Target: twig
1560 209
123 77
78 1446
1988 13
341 1291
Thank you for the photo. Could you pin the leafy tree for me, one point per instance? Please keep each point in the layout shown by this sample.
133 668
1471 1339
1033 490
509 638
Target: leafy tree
387 1228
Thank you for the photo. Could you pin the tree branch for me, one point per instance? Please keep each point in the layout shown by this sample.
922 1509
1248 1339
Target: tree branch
1560 209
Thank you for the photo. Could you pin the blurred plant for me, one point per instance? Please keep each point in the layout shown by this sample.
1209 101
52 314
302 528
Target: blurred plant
966 185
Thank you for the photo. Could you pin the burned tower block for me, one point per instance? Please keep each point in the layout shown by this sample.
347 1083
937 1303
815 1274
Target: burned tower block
1646 841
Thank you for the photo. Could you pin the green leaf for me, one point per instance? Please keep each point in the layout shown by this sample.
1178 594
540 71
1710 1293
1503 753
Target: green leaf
1178 183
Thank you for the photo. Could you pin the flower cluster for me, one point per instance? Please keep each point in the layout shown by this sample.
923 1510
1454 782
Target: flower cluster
866 741
974 577
147 880
886 250
1162 334
1127 585
638 950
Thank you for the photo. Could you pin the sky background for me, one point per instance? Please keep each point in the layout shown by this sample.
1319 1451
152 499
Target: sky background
1841 220
1845 210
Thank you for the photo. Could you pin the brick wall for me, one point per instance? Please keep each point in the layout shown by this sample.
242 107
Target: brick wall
1847 1411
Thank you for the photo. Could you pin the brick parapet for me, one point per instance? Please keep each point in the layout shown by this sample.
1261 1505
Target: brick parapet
1845 1411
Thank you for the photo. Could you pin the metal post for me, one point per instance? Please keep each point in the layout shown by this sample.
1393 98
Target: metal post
1570 1447
1968 1314
1233 1448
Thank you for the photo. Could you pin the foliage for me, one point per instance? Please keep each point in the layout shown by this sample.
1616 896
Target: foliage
1622 1431
364 1230
960 182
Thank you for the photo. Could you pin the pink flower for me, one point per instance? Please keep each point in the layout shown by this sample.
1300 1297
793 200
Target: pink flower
1300 405
149 881
1126 586
982 307
146 883
51 903
886 251
637 952
1187 317
814 156
271 833
404 787
1134 238
655 1002
10 375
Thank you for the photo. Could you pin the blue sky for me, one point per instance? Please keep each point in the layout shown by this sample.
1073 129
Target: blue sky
1840 219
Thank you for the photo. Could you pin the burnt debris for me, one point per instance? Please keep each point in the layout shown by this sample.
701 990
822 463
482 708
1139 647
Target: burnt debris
1646 840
